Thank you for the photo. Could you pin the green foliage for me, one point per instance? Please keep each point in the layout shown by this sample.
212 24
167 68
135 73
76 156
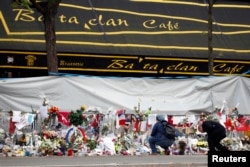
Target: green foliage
21 3
76 117
91 144
70 145
105 129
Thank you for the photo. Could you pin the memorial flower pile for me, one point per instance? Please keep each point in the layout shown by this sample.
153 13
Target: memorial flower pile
93 132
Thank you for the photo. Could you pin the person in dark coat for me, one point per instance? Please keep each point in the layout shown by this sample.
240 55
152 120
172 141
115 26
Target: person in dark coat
158 137
215 133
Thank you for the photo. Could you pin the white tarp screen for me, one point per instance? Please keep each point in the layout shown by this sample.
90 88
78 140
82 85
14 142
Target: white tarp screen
171 96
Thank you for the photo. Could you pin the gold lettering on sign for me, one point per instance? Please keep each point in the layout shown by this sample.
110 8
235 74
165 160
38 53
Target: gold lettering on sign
149 66
24 15
40 18
62 18
228 69
121 64
30 60
64 63
107 22
153 24
181 67
71 20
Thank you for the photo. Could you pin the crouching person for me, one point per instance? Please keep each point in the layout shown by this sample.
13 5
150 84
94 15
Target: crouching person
215 133
159 138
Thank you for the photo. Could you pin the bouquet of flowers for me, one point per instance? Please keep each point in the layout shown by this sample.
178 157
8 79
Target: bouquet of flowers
48 134
53 111
78 142
48 146
6 149
200 147
203 144
227 141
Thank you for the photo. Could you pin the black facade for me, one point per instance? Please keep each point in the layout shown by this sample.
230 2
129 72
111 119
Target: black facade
129 38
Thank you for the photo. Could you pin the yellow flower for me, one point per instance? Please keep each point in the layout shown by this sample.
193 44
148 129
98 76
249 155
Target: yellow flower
201 144
83 107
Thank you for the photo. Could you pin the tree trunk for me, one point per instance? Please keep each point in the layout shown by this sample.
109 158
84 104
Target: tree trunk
50 37
49 10
210 37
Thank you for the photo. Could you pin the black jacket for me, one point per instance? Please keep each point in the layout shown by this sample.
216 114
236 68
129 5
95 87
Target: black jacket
213 128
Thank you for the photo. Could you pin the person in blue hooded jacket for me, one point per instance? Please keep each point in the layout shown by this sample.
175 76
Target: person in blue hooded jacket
158 137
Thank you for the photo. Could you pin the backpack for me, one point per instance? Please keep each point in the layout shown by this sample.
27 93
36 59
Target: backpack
169 130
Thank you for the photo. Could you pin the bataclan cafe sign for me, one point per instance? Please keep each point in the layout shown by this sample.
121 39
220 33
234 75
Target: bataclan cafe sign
136 37
148 65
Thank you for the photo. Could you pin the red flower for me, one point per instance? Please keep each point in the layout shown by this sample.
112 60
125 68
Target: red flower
53 109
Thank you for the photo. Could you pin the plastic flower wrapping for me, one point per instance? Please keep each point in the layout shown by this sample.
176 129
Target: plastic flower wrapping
6 149
236 143
50 134
227 141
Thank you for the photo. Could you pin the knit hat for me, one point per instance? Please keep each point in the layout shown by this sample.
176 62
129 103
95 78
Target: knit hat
160 118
